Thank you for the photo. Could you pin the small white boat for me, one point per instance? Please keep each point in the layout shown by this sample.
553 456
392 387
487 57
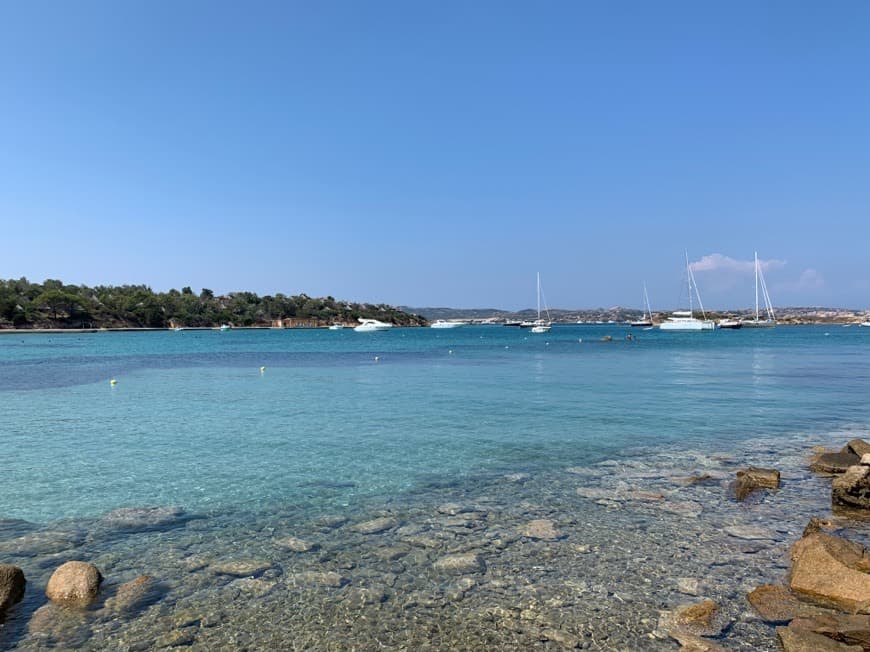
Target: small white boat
646 317
541 325
178 329
730 323
226 327
442 323
770 320
371 325
865 323
685 320
336 327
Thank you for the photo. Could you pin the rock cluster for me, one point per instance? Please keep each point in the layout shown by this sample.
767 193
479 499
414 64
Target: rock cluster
826 604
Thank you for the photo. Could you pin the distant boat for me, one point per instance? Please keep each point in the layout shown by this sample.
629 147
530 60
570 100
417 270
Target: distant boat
541 325
371 325
730 323
646 318
336 327
685 320
770 320
442 323
178 329
226 327
865 323
513 322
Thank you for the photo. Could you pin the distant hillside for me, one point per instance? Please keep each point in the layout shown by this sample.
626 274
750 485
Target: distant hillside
53 304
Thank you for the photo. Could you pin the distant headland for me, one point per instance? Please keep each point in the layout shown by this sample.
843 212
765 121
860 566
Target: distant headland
56 306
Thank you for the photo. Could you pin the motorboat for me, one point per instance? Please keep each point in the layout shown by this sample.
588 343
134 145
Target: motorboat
443 323
336 327
371 325
730 323
225 327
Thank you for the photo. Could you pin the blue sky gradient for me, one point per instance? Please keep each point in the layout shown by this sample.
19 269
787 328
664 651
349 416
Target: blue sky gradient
439 154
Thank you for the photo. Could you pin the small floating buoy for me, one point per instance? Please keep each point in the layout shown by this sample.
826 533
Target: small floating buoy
507 347
262 369
580 340
547 343
450 351
113 382
376 358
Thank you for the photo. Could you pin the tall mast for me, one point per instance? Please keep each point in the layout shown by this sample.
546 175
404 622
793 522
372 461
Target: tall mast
646 303
539 295
689 284
756 286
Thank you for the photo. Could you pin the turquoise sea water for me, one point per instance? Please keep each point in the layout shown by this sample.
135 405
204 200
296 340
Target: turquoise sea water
459 438
193 422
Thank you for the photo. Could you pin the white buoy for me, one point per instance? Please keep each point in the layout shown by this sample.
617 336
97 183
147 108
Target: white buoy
262 370
376 358
113 382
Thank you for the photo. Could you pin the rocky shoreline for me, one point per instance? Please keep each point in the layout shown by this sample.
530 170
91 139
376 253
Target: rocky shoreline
652 551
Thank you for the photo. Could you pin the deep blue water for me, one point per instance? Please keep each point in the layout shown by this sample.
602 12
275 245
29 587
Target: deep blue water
193 422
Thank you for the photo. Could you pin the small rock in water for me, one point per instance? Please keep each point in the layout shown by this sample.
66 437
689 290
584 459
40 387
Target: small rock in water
852 488
798 640
689 586
517 477
460 564
825 571
327 578
452 509
242 568
134 595
144 518
295 544
701 619
829 462
750 532
777 604
542 529
12 584
74 583
376 526
754 478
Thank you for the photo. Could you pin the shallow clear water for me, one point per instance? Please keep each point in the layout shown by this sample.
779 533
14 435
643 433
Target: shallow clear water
193 422
354 424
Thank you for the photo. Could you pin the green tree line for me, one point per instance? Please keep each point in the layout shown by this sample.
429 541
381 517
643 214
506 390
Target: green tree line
53 304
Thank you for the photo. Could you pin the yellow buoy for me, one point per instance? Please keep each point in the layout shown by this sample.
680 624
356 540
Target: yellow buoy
113 382
262 369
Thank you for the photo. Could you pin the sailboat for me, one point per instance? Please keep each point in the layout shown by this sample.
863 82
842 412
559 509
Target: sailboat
646 318
770 320
540 325
685 320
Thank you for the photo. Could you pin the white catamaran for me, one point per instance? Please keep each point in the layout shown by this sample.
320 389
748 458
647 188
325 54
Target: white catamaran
770 320
685 320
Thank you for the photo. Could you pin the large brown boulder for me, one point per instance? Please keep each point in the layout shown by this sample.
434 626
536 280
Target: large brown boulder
776 604
748 480
12 584
852 488
800 640
827 570
850 629
829 462
857 446
75 582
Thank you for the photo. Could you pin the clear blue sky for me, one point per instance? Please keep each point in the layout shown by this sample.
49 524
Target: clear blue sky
440 153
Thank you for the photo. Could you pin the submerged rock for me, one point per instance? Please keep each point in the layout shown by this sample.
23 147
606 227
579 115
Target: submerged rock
12 585
141 519
754 478
134 595
376 526
541 529
242 568
295 544
825 571
460 564
75 583
701 619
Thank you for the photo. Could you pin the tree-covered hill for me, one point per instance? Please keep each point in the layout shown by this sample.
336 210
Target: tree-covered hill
52 304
